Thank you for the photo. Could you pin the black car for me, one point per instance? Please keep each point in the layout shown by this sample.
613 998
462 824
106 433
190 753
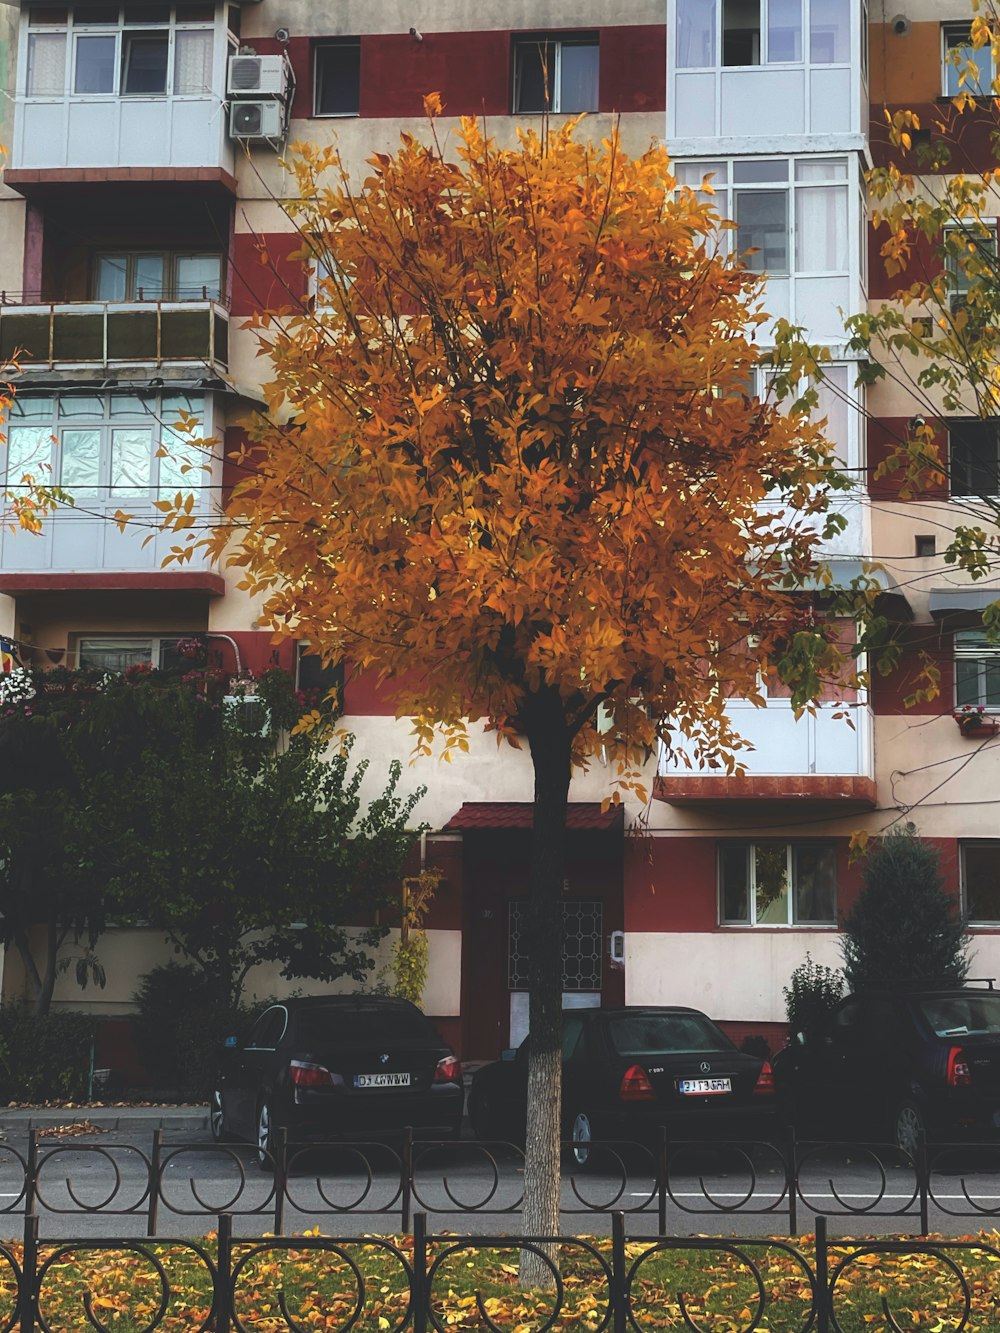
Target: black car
626 1073
893 1066
331 1067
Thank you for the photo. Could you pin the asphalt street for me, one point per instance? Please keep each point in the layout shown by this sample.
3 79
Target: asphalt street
464 1190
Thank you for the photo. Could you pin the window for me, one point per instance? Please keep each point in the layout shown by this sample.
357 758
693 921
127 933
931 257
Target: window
313 674
157 276
753 32
980 862
977 670
115 654
337 79
146 51
555 75
269 1029
925 546
973 457
777 883
104 448
970 259
967 68
791 212
830 32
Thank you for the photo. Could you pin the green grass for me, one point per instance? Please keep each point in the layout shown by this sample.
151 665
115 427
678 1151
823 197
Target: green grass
320 1291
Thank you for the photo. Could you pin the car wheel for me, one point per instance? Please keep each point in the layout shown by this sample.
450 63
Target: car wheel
581 1134
910 1127
216 1119
265 1138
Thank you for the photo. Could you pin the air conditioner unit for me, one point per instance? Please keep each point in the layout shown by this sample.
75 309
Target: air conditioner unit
257 120
250 76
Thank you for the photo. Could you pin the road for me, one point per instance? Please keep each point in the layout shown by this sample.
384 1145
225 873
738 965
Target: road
336 1192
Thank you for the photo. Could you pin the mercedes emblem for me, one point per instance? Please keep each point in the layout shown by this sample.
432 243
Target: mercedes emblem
704 1066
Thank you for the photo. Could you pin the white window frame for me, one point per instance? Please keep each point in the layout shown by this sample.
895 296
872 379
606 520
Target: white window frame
974 922
324 43
751 922
73 31
170 259
976 648
151 415
805 38
726 190
962 284
557 42
982 58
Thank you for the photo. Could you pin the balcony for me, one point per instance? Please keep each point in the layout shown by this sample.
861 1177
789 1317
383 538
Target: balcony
815 759
108 334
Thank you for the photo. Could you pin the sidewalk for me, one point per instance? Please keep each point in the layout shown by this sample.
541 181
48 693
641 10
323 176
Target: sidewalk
18 1119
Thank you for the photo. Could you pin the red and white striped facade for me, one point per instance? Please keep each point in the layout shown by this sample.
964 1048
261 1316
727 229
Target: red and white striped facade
118 193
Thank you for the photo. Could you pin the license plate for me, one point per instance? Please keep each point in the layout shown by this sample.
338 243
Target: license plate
381 1080
698 1087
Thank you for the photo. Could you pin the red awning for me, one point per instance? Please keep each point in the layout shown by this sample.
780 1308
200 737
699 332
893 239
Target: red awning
518 814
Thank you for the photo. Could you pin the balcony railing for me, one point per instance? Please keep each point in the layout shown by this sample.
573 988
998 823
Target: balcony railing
826 755
103 333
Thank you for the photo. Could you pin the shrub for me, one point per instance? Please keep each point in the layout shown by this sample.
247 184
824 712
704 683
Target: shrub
812 995
44 1058
904 932
756 1044
180 1028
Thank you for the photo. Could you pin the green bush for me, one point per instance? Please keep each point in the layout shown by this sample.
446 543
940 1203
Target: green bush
44 1059
180 1028
813 994
904 931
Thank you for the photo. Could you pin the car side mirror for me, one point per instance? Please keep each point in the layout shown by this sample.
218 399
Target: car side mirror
230 1043
800 1039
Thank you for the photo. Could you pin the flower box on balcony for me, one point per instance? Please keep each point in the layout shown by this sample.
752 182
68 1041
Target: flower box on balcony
976 723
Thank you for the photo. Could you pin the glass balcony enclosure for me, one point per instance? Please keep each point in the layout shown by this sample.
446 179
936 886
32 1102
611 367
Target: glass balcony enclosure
103 86
110 451
109 333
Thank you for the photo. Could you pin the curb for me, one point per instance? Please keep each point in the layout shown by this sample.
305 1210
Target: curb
21 1120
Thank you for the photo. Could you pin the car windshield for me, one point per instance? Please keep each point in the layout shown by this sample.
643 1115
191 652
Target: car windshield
664 1034
962 1015
323 1025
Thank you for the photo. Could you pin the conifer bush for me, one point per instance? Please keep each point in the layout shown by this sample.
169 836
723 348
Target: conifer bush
904 932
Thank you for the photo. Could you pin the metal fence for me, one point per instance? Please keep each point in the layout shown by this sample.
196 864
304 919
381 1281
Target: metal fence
773 1182
629 1285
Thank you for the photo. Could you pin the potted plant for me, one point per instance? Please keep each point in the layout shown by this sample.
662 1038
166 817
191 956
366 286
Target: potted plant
975 722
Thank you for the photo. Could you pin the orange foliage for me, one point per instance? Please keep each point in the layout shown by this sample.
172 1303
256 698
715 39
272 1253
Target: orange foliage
513 449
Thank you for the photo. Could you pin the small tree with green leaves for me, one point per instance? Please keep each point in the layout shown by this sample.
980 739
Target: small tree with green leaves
813 992
904 932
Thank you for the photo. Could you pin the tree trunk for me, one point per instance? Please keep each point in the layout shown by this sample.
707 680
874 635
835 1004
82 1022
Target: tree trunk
548 736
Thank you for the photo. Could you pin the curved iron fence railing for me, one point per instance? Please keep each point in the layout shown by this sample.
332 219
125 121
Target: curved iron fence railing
437 1281
458 1179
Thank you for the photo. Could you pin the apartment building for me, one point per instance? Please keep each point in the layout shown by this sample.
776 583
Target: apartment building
144 184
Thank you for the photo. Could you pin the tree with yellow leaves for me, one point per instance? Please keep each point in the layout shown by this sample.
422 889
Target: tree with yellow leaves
514 463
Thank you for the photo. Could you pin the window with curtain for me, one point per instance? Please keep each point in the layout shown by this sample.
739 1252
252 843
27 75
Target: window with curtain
695 34
556 75
193 50
46 64
977 670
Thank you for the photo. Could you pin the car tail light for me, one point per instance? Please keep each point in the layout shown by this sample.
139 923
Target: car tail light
449 1070
765 1080
636 1086
959 1073
307 1075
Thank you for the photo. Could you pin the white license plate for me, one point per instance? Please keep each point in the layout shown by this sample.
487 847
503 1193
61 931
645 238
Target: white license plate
697 1087
381 1080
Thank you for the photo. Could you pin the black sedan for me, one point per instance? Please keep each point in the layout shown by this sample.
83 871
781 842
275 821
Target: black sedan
626 1073
335 1067
896 1066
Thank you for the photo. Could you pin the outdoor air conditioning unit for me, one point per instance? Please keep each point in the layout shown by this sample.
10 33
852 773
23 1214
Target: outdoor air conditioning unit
257 120
251 76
